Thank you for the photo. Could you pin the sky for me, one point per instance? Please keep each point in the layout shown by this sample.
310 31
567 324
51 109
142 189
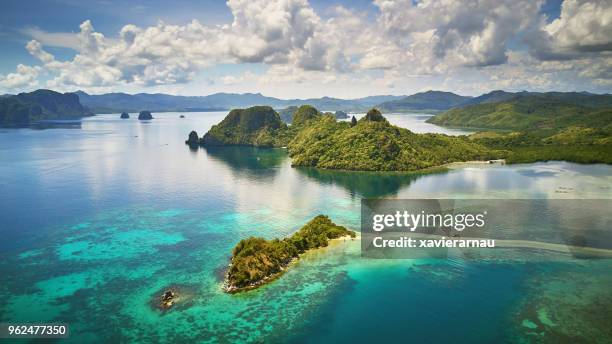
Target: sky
302 49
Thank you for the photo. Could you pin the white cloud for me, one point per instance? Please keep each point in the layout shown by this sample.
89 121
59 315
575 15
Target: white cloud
438 41
459 33
25 76
584 27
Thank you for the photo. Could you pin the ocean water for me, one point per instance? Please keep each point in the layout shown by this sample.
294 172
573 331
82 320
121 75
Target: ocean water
98 219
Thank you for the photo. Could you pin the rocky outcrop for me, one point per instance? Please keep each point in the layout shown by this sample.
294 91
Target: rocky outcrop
341 115
145 115
125 115
254 126
193 139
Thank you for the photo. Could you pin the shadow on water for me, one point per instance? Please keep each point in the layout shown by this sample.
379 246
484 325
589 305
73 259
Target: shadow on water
366 184
252 161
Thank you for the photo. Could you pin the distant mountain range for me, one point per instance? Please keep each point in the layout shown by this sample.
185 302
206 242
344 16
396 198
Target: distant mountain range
495 109
430 101
118 102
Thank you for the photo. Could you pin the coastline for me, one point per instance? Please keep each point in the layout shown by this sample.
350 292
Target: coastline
233 290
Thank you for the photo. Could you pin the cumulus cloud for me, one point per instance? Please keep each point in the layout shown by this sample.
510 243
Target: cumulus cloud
403 39
584 27
24 76
464 33
271 32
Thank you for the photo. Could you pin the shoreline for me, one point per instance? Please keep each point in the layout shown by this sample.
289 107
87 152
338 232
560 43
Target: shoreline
233 290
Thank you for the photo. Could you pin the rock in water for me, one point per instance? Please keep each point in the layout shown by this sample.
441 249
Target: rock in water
182 116
167 299
193 139
341 115
144 115
125 115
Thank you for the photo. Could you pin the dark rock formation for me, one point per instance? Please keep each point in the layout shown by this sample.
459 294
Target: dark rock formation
353 121
193 139
124 115
145 115
341 115
182 116
168 298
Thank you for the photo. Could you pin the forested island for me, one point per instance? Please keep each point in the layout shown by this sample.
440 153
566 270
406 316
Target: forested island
532 127
317 139
256 261
40 105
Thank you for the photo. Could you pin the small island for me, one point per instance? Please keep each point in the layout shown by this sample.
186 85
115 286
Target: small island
341 115
145 115
256 261
125 115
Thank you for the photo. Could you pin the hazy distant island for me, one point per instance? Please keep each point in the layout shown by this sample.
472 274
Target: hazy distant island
286 114
256 261
40 105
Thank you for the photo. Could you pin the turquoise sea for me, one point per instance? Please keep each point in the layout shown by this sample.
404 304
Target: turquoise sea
100 217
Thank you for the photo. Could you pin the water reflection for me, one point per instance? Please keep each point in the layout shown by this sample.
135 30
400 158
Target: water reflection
365 184
250 161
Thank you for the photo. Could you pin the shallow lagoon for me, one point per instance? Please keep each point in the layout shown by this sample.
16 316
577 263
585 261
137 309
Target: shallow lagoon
99 218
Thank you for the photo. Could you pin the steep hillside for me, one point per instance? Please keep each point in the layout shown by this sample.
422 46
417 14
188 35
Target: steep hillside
255 126
531 112
40 105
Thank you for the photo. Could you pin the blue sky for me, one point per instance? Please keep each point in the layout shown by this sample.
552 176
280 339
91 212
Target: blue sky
300 48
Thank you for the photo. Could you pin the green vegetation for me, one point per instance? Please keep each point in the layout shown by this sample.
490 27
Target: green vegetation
257 260
557 131
304 115
40 105
375 145
575 144
255 126
527 112
574 127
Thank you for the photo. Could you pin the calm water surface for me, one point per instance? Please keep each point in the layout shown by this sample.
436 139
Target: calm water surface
99 218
